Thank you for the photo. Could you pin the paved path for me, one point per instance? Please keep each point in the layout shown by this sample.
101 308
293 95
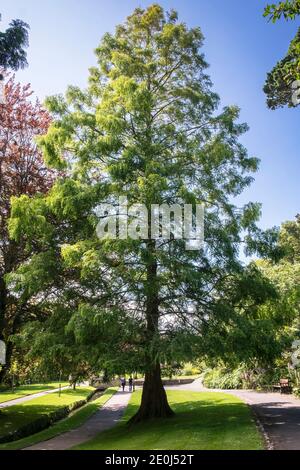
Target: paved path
17 401
278 413
106 417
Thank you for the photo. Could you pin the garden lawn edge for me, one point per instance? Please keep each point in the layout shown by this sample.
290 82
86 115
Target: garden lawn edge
44 421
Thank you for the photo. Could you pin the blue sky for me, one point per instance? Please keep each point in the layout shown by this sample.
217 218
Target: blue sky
240 46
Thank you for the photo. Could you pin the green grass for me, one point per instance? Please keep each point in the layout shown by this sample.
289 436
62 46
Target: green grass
73 421
26 390
16 416
203 420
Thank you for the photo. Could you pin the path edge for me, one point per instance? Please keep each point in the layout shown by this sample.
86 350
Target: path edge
261 428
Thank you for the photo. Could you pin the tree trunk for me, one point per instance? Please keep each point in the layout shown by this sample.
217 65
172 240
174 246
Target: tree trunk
6 367
5 330
3 300
154 402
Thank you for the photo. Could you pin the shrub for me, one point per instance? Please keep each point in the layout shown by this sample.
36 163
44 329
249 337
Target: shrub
223 379
244 377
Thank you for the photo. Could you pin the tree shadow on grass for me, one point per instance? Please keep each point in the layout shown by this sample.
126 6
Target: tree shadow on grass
42 414
12 419
197 424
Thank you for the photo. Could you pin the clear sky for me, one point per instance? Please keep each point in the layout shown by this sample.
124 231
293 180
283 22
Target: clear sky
241 47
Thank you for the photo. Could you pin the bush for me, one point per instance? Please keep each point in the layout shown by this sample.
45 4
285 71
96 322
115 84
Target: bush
223 379
244 377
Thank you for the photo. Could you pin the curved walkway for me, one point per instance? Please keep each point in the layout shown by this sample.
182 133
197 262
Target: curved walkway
278 413
17 401
106 417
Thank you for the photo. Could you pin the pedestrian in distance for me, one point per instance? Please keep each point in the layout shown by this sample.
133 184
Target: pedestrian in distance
123 383
130 382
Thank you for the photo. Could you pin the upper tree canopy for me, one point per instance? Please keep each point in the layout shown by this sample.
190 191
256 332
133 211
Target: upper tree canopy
13 43
279 83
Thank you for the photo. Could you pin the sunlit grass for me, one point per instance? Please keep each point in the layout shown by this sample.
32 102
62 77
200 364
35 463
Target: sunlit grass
74 420
16 416
25 390
203 420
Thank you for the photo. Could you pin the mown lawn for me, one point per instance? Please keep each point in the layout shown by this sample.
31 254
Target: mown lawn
14 417
26 390
73 421
203 420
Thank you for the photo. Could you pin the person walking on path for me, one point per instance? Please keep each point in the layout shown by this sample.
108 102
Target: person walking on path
123 383
130 382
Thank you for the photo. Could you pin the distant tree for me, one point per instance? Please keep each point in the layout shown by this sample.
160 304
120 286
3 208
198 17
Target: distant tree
52 348
13 43
279 83
22 171
261 339
290 240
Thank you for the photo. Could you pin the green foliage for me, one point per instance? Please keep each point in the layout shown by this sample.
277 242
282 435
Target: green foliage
149 128
278 87
290 240
13 43
52 348
171 370
245 376
223 378
285 275
288 9
276 325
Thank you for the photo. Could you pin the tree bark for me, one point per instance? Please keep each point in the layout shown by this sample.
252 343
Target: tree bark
154 402
6 367
5 330
3 299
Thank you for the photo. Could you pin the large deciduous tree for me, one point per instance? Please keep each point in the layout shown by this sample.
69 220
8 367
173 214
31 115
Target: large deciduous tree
147 128
22 171
279 83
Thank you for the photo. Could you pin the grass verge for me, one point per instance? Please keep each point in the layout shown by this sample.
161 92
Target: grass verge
34 415
73 421
26 390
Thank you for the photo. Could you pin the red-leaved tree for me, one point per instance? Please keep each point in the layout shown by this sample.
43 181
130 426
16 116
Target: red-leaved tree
22 171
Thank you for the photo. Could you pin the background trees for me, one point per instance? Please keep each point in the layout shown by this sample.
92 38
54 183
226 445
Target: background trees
22 171
268 335
278 87
13 43
148 129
